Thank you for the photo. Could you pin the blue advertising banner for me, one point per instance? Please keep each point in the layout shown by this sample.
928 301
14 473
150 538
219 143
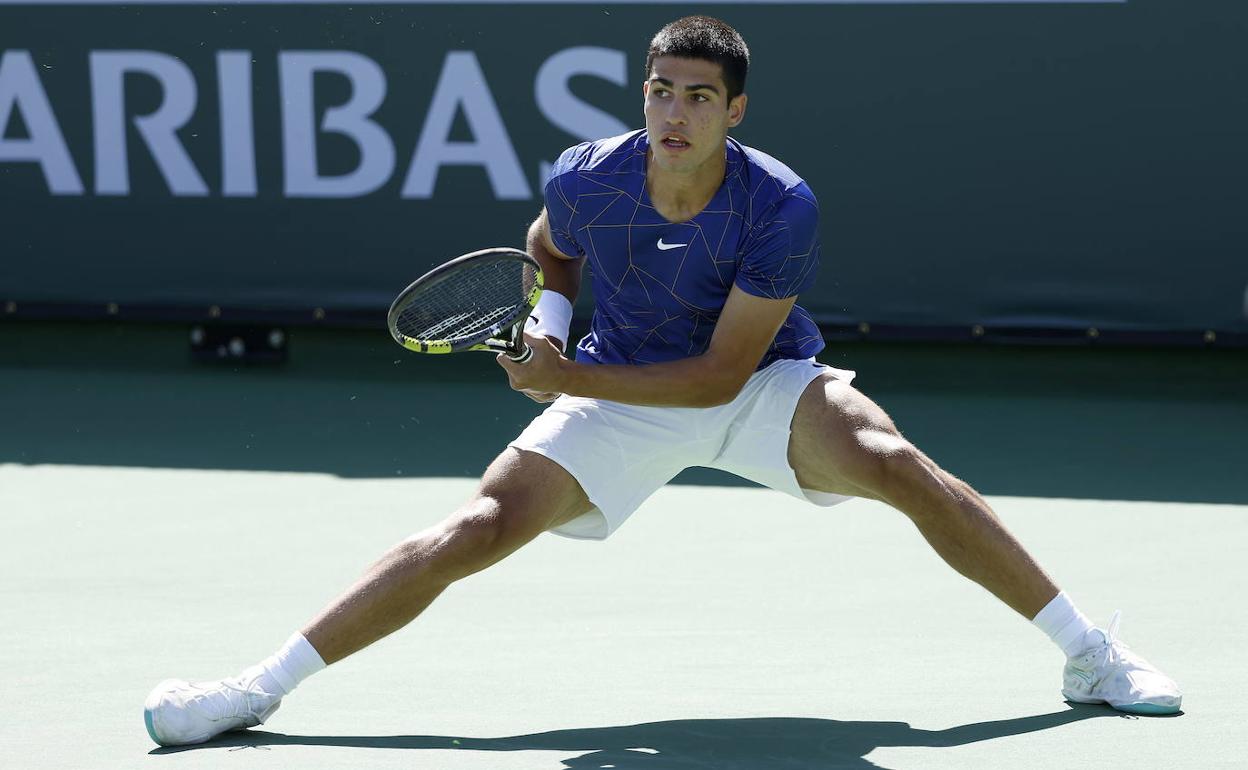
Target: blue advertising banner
1006 165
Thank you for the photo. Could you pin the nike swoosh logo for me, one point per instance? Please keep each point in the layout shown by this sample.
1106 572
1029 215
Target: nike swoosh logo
1082 675
667 246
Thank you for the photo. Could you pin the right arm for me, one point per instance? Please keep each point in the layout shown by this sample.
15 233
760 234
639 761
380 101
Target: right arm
562 273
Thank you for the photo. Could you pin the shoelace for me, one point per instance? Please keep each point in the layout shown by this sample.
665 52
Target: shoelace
1112 631
1117 650
215 705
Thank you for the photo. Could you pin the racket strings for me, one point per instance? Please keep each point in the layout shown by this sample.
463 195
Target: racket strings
470 302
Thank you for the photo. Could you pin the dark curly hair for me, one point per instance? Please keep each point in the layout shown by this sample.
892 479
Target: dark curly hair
704 37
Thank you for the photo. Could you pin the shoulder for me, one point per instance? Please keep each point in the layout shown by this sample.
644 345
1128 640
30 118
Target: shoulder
773 188
603 155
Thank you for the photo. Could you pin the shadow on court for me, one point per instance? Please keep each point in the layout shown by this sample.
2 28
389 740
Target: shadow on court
723 744
1128 424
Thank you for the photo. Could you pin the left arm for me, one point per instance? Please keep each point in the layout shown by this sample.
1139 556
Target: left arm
745 329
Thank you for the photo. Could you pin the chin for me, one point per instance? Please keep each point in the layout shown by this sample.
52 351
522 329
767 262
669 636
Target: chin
679 165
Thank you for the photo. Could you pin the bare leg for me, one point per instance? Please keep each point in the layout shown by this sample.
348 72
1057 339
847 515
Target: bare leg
521 495
842 442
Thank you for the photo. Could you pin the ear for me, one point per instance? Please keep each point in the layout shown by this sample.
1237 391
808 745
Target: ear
736 110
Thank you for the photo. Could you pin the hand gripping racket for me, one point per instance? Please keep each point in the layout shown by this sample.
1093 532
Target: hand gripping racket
479 301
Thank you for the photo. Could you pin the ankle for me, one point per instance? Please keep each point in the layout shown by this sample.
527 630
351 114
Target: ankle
1065 625
281 672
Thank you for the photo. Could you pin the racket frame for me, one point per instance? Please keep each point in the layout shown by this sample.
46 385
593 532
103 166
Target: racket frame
506 336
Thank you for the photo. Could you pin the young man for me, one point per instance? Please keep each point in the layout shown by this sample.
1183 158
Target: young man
698 355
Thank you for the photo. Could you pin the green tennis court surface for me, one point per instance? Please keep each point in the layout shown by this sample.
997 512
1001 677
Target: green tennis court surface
167 520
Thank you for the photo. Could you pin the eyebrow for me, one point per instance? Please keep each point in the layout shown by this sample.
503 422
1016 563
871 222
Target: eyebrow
693 87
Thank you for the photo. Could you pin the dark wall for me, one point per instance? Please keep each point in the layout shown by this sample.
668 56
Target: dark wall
1041 165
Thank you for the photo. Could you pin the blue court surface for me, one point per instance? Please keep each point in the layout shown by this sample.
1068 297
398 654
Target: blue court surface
165 519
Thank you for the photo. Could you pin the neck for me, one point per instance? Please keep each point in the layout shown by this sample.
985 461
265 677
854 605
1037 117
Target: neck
680 196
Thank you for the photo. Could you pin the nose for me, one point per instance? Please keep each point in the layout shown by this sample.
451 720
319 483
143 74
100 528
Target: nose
675 113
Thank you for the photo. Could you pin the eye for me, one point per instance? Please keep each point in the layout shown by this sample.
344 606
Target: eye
700 98
660 92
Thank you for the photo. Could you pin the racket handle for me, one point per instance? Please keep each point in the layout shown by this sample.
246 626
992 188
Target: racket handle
524 355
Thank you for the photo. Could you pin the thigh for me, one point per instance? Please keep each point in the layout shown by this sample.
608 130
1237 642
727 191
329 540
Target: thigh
619 453
531 493
521 495
758 433
840 439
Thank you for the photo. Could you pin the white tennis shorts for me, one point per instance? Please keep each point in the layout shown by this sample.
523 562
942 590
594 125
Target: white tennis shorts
622 453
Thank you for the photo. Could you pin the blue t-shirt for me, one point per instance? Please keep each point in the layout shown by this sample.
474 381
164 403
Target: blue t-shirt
660 286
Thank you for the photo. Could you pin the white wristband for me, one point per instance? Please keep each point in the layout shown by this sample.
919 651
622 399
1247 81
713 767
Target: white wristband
552 317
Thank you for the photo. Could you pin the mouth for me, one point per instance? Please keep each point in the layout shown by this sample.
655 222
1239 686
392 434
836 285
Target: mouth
674 142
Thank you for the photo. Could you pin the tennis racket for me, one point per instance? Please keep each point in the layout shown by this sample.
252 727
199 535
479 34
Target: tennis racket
479 301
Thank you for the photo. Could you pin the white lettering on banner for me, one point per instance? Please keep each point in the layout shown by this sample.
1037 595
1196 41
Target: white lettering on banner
560 107
158 129
20 89
238 144
462 85
353 120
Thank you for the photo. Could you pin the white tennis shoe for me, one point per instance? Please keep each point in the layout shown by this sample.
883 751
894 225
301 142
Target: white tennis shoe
1111 673
179 713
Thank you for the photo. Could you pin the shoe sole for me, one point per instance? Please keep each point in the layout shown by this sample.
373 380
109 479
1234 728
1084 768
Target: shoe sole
149 707
1146 709
151 729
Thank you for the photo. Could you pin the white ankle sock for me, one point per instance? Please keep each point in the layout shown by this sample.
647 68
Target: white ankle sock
282 671
1064 624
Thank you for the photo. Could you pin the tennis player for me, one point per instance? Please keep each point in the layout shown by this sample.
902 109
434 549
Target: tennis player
697 355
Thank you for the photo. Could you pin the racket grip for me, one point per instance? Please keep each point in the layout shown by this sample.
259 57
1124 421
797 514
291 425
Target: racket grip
524 355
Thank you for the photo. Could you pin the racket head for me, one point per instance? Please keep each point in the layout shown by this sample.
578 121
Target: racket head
478 301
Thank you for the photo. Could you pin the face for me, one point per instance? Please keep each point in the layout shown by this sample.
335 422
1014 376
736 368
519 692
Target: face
688 113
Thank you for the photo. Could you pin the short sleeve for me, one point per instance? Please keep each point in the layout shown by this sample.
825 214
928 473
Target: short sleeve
781 255
559 196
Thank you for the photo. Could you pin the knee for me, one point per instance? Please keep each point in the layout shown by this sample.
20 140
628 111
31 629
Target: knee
919 488
482 526
897 471
484 530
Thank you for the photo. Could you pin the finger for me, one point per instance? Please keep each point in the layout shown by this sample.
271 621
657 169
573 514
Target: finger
508 365
511 377
544 343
